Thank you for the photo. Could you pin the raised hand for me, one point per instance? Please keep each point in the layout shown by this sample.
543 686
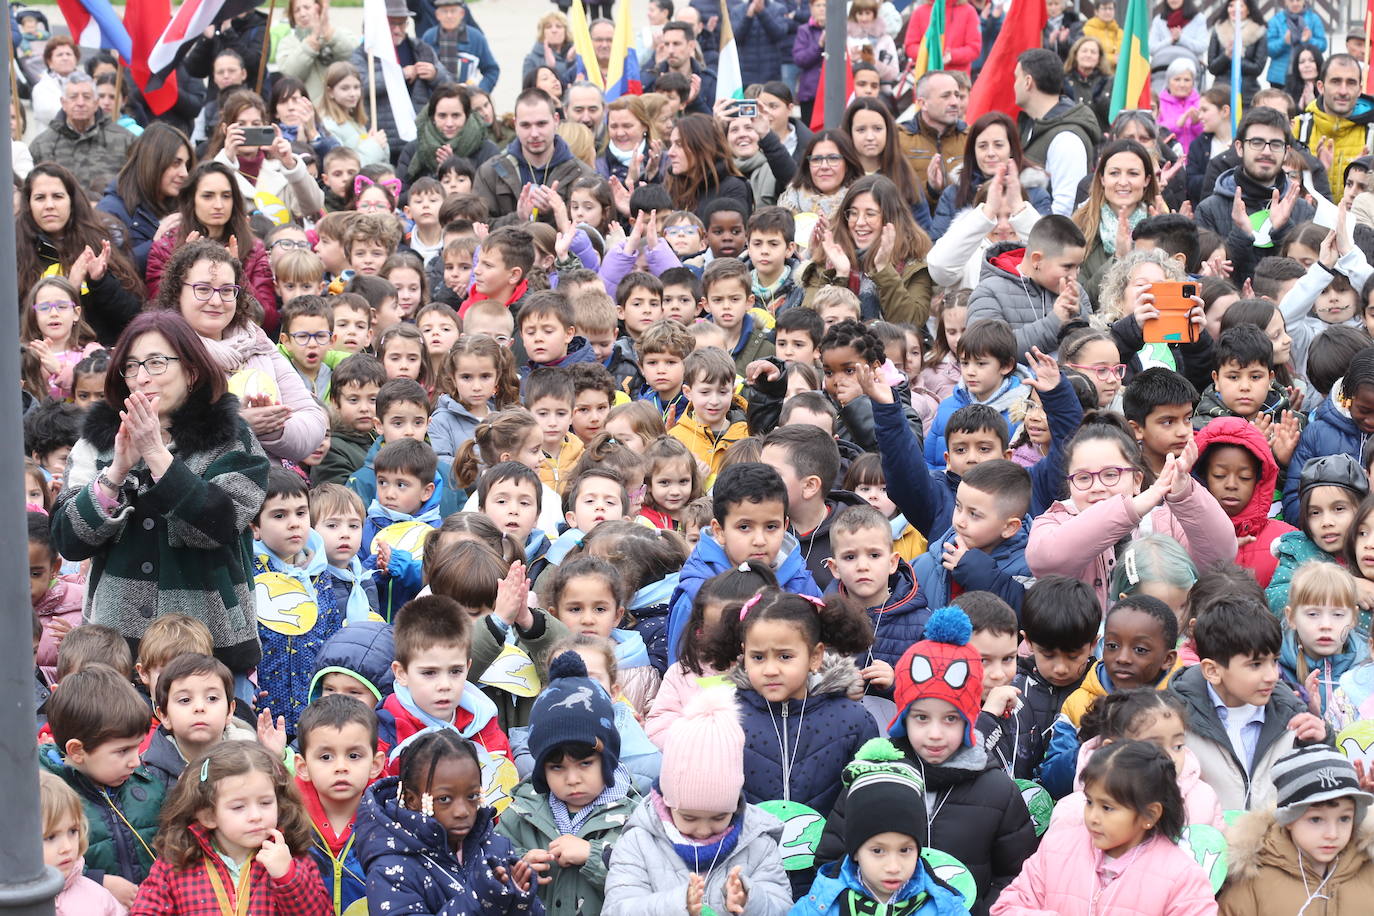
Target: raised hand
139 416
512 597
935 173
696 894
1240 217
272 734
1044 371
1067 304
887 240
1281 208
878 392
1283 437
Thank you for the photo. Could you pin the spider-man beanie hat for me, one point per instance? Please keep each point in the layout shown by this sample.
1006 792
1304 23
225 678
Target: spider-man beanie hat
575 712
941 666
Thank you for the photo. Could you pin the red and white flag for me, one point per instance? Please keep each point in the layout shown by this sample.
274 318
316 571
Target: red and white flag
192 18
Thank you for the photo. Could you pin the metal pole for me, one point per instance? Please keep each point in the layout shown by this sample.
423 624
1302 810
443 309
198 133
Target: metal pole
835 40
27 886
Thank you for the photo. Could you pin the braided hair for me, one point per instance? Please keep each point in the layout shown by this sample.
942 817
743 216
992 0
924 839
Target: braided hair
423 755
851 333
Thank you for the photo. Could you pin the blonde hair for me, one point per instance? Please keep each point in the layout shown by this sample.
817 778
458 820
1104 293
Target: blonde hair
581 142
594 311
548 19
644 418
339 71
1111 299
837 295
1323 584
297 266
171 635
329 500
56 801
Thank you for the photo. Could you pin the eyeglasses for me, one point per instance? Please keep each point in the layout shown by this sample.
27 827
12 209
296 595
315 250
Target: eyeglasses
826 159
61 305
674 232
1102 372
156 365
290 244
1259 144
854 213
204 291
306 338
1110 477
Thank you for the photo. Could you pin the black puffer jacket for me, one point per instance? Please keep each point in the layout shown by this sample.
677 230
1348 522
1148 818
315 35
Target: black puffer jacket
977 816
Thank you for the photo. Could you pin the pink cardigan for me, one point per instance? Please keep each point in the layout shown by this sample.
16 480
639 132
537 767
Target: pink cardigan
1061 880
1200 803
1063 535
963 34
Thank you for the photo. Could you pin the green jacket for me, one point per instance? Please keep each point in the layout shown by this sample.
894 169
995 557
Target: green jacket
114 848
757 345
347 453
487 642
528 824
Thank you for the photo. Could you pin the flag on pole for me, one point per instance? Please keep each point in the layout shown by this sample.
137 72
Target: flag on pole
623 75
93 24
729 83
377 41
995 88
931 56
192 18
582 41
818 112
1237 49
144 20
1132 86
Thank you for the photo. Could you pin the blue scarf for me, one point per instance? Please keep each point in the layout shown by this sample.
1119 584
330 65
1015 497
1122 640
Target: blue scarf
358 607
473 700
699 858
429 513
566 543
655 593
899 526
630 651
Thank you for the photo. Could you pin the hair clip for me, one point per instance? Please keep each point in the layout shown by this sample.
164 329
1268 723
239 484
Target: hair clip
820 605
611 440
1132 572
426 804
743 567
749 605
205 769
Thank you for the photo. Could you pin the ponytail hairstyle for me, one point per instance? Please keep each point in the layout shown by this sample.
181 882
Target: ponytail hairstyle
729 589
606 451
1140 776
197 789
662 453
502 433
1153 558
420 759
643 555
482 346
838 623
1116 716
474 526
1108 426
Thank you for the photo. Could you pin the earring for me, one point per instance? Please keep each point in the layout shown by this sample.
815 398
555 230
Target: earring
427 804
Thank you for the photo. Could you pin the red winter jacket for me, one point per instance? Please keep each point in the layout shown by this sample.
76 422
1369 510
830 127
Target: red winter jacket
963 35
1252 519
188 891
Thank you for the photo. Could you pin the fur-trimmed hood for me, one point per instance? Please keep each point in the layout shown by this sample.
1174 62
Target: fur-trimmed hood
838 675
1257 841
199 425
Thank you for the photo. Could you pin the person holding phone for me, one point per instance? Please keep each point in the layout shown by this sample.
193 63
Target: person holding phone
261 158
759 154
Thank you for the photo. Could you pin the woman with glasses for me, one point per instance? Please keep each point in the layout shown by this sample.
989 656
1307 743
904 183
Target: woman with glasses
144 196
56 230
1127 303
829 166
1109 498
203 283
210 207
160 491
873 238
1122 190
993 142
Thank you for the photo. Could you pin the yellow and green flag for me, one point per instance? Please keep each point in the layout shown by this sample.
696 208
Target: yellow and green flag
1132 86
931 56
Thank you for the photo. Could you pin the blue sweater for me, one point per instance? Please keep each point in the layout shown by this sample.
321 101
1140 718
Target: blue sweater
1002 570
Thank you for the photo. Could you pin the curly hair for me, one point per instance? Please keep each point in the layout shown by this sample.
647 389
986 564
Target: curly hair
168 296
1112 295
192 795
482 346
839 623
851 333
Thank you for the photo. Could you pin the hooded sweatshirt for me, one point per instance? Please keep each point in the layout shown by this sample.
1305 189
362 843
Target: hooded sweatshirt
1252 519
80 896
400 720
450 426
1009 394
1018 300
924 891
363 651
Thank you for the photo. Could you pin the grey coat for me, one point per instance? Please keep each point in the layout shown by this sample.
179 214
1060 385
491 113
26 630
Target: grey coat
648 878
1019 301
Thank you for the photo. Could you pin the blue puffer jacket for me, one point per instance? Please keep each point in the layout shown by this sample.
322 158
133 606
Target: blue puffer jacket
289 639
363 651
1011 392
708 559
834 879
142 224
410 868
926 497
899 622
1002 571
1281 49
820 735
650 607
450 426
1330 432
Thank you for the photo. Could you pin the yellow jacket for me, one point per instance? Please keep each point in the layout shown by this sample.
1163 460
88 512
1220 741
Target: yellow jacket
1108 34
556 469
1077 703
1351 135
706 445
910 544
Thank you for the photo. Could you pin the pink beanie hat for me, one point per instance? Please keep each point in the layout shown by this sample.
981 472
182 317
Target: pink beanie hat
703 759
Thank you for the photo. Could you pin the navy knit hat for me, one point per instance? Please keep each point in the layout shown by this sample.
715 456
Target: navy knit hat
573 709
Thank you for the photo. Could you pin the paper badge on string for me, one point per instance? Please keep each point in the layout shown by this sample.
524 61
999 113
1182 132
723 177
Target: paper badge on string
953 872
407 536
802 827
499 779
285 604
513 671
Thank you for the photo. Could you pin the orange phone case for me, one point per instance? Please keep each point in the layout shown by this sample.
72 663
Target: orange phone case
1174 301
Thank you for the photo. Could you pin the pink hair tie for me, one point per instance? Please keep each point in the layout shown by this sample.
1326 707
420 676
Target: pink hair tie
820 605
749 605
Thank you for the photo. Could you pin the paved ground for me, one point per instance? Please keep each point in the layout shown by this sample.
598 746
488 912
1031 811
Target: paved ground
509 26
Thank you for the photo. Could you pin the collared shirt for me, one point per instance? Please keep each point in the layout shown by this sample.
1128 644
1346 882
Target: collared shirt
1242 724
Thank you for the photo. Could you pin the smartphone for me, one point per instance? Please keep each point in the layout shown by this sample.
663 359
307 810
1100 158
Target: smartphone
747 108
259 136
1174 301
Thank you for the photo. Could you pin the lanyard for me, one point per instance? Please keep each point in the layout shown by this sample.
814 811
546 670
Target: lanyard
120 814
241 895
339 867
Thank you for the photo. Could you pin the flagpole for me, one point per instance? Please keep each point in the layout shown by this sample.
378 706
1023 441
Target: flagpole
27 886
266 46
372 88
835 41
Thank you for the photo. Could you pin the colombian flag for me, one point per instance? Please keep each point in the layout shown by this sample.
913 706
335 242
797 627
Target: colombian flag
582 41
623 78
932 53
1132 86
